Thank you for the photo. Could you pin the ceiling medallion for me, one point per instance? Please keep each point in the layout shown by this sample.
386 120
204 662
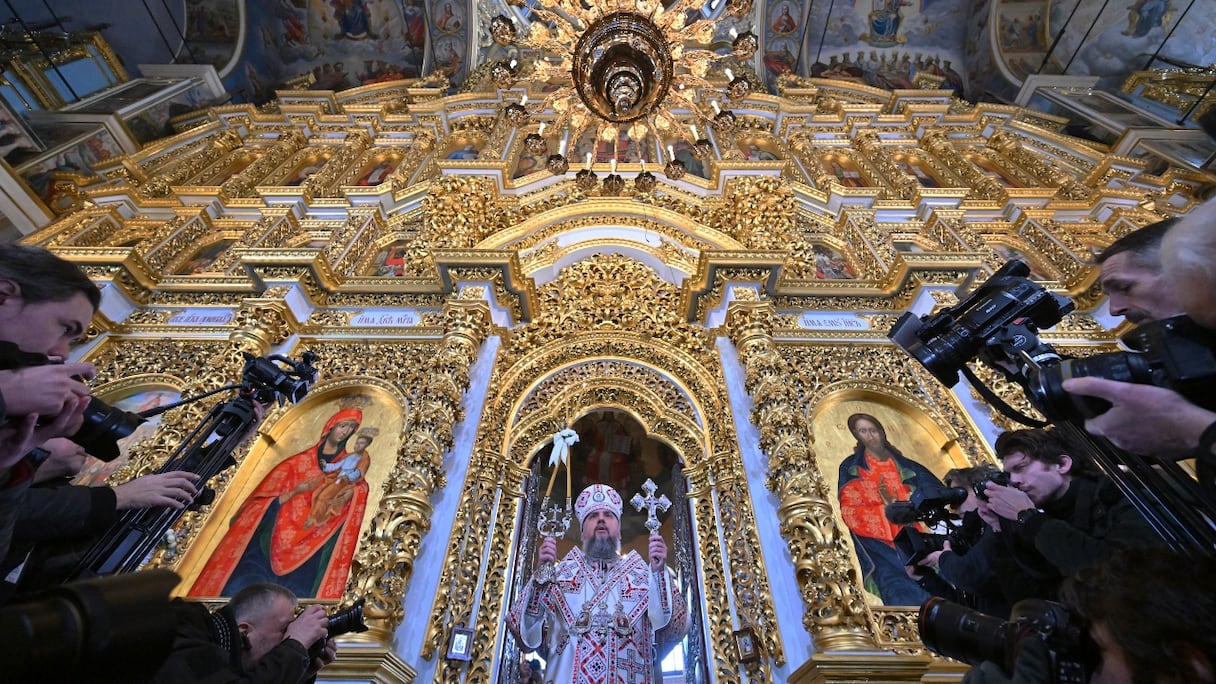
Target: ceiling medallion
621 68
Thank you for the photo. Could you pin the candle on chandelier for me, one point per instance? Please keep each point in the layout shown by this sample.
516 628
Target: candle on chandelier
730 76
588 161
541 130
561 147
523 99
694 133
613 164
671 152
716 106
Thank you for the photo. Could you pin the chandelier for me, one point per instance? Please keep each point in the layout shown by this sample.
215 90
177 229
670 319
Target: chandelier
621 66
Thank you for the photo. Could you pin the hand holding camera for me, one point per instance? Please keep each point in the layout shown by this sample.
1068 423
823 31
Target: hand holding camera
44 390
1144 419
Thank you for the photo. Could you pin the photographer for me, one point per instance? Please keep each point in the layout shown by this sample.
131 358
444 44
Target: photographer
1136 285
256 637
1055 518
1162 636
57 520
1154 420
45 304
964 562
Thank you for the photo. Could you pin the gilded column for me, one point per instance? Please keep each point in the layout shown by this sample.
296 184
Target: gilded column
242 183
384 564
981 184
836 612
1051 176
219 146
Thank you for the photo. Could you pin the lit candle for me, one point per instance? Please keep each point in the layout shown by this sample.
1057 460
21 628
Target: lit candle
514 63
613 164
561 147
671 152
523 99
694 133
588 161
729 75
541 130
643 166
716 106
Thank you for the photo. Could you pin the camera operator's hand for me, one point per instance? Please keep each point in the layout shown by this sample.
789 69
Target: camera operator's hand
1007 502
328 655
309 627
44 390
1144 419
17 437
931 560
174 489
65 460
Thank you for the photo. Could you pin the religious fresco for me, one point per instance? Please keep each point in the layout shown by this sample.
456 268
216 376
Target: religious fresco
376 171
304 169
846 171
680 149
201 261
390 261
464 149
95 471
213 31
52 176
340 43
295 516
830 264
759 149
865 475
919 170
886 43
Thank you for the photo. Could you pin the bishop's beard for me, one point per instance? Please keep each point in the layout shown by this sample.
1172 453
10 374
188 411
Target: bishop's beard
602 549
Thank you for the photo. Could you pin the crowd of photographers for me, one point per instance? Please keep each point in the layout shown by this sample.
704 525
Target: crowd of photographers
1058 530
46 303
1047 526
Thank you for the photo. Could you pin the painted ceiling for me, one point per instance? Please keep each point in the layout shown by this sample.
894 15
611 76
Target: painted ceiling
981 48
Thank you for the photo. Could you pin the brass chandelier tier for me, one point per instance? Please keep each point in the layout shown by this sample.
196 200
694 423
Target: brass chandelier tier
630 67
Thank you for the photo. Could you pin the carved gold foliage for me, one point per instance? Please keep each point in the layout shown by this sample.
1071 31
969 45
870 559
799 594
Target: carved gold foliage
460 211
758 212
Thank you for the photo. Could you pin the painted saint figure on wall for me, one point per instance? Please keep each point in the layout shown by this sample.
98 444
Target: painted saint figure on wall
872 477
299 526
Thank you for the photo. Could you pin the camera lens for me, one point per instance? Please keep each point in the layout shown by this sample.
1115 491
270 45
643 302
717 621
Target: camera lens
103 426
961 633
1044 386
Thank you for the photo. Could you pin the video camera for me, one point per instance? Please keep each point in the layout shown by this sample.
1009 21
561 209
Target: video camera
931 504
103 424
973 637
998 324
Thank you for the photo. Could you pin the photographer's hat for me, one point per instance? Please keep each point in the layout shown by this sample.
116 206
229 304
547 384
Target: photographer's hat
597 497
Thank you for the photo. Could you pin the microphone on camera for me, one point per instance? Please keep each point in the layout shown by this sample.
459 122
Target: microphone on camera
901 513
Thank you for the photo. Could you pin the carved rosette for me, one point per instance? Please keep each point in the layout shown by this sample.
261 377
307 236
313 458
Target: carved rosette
837 615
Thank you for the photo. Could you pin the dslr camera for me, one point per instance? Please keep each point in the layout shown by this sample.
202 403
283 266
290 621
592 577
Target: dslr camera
103 424
955 631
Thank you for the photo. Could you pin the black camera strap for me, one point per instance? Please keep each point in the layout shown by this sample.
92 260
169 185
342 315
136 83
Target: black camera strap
1005 409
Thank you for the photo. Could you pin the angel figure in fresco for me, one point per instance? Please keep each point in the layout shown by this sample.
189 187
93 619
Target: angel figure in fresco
872 477
270 538
1144 16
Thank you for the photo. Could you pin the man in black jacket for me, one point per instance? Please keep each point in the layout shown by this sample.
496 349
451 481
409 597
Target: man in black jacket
256 637
1054 519
57 521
